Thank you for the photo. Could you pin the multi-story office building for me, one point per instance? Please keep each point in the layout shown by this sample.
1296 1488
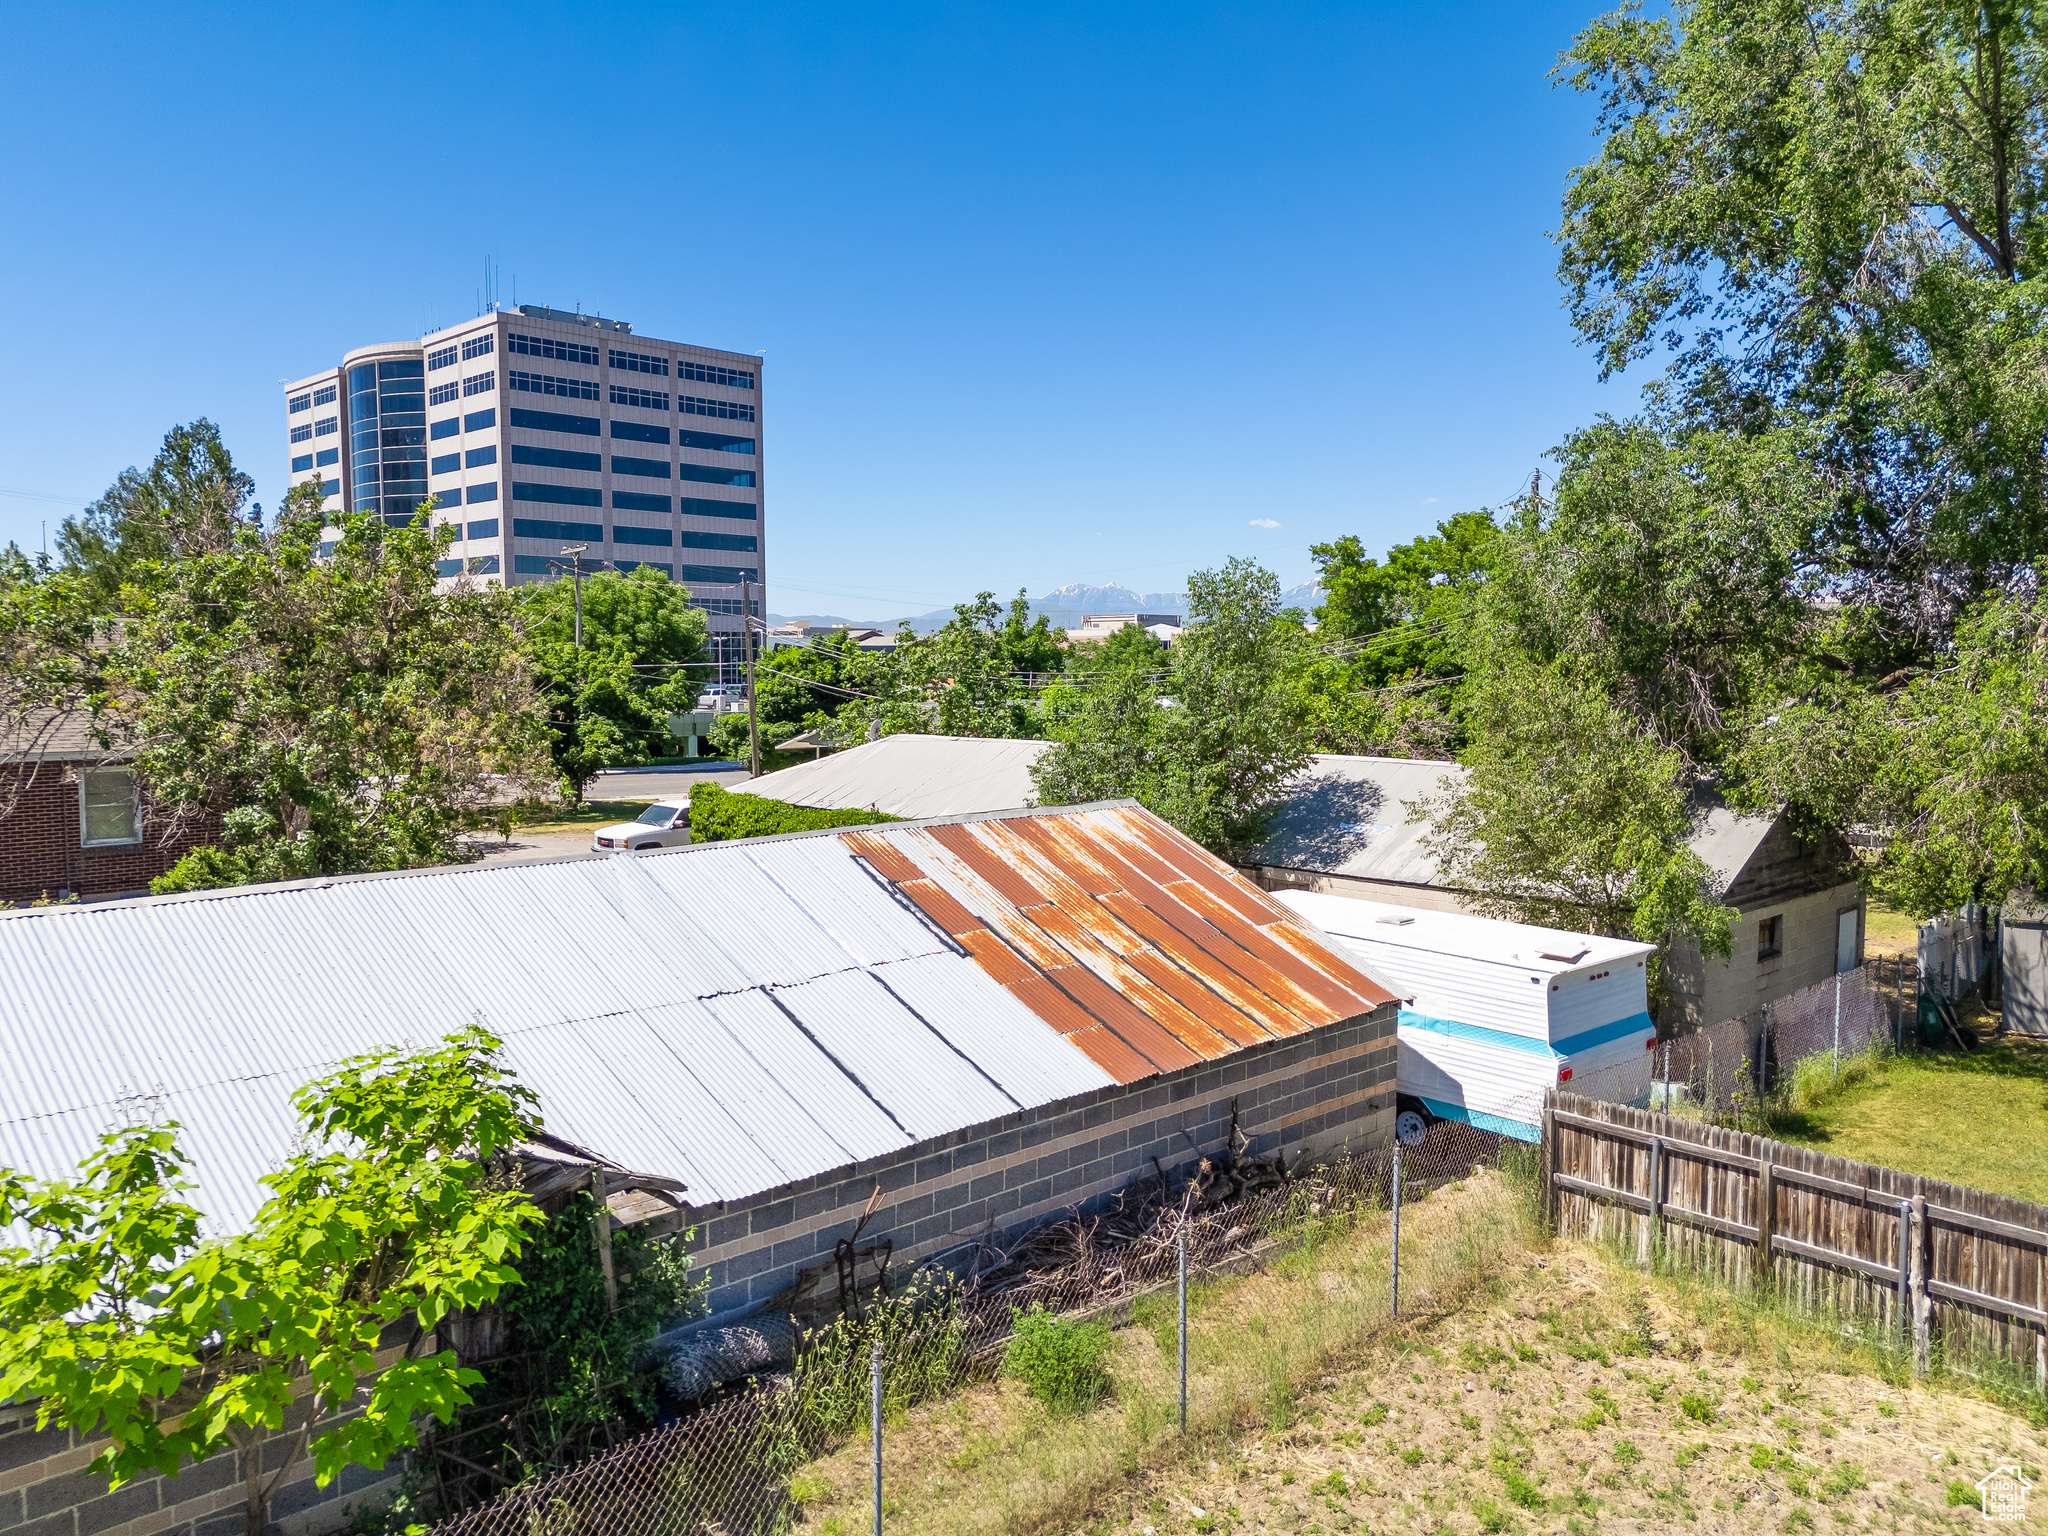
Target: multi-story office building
537 431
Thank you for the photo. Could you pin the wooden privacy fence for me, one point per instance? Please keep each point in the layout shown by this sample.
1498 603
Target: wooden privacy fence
1937 1262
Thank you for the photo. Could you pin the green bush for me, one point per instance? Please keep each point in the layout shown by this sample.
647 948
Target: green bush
717 815
1060 1361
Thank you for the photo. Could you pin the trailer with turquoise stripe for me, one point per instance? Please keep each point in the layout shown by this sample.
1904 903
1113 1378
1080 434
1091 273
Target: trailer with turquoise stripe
1493 1013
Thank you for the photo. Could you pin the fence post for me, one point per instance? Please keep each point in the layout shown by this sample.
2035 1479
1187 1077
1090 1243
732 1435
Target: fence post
877 1406
1550 1159
1905 1263
1395 1302
1838 1026
1182 1243
1922 1250
1656 1195
1766 1216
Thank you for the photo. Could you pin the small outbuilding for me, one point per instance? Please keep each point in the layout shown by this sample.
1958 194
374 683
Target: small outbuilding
911 776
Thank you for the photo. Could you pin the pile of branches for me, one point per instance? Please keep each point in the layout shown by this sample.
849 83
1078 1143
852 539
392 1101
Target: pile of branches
1226 1202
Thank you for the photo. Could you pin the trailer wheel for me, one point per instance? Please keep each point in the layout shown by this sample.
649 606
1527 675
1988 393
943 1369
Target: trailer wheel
1411 1127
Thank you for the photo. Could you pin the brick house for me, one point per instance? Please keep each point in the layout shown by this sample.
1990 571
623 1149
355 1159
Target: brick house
76 819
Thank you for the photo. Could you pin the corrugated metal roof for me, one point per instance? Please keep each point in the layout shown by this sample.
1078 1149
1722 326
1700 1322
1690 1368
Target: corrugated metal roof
738 1016
911 776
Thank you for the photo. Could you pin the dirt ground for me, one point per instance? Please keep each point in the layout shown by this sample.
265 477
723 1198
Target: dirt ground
1576 1396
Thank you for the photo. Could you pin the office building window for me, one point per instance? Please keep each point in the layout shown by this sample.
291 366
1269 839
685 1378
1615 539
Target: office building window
443 357
1770 937
730 606
448 567
640 399
547 346
536 565
639 432
560 495
476 346
327 426
653 565
652 469
324 395
330 487
479 383
698 506
109 807
743 543
326 548
481 421
479 493
639 501
692 405
402 368
327 456
484 528
710 476
302 463
447 464
719 575
623 533
711 374
639 362
442 394
298 403
362 376
446 428
568 533
717 442
303 432
548 384
556 458
403 437
483 565
476 458
554 421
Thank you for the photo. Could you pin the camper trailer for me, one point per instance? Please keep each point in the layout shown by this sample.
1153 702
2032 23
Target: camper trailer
1494 1013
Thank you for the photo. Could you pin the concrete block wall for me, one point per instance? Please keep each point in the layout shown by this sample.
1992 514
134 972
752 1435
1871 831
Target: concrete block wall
1323 1092
1707 991
45 1489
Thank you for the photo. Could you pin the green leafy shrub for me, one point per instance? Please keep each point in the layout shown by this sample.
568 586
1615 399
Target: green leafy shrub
1696 1408
717 815
1061 1361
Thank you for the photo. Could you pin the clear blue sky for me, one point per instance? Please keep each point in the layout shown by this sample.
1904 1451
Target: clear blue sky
1048 293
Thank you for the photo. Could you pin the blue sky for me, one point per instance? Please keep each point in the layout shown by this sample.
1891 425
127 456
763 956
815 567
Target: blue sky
1047 293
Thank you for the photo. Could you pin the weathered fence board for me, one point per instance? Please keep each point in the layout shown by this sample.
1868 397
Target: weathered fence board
1828 1232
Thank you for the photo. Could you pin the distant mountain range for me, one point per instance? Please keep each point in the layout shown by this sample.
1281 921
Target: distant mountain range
1064 607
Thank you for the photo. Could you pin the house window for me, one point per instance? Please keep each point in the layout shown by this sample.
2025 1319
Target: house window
110 807
1770 937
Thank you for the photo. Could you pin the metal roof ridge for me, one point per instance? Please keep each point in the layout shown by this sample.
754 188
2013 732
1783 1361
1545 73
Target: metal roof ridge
425 871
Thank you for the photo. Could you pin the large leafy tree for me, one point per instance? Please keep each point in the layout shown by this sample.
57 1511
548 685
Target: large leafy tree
1831 213
336 710
644 657
121 1322
1212 745
963 680
190 501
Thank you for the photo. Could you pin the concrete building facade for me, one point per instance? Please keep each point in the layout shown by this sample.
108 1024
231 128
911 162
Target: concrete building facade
536 431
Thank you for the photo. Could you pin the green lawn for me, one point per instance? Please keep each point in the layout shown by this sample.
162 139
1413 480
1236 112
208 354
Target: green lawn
1978 1119
1888 932
591 813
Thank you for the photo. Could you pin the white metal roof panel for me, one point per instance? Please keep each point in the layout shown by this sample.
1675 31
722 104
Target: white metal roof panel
923 1081
911 776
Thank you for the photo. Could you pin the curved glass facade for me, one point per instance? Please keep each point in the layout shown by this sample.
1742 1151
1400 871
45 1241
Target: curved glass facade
387 416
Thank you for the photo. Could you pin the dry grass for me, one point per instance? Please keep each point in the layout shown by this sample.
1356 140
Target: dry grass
1886 932
1566 1392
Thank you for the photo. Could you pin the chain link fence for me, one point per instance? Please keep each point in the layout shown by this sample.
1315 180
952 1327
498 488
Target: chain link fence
1016 1385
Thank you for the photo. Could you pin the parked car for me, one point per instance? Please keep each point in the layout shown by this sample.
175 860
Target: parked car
664 824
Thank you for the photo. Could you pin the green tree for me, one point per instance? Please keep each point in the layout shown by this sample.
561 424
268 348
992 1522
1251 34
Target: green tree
191 501
121 1322
335 710
797 688
643 659
1573 815
1832 215
961 681
1212 746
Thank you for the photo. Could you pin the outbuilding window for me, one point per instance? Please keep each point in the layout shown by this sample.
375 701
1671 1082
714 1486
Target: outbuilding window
110 807
1770 937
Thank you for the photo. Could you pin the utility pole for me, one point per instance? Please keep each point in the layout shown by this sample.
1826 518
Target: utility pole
753 715
575 553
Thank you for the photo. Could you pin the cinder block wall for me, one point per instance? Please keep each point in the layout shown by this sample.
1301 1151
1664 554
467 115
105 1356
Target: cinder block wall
46 1491
1706 992
1322 1092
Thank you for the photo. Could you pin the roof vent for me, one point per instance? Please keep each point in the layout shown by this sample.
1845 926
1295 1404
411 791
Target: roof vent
1573 958
1395 922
